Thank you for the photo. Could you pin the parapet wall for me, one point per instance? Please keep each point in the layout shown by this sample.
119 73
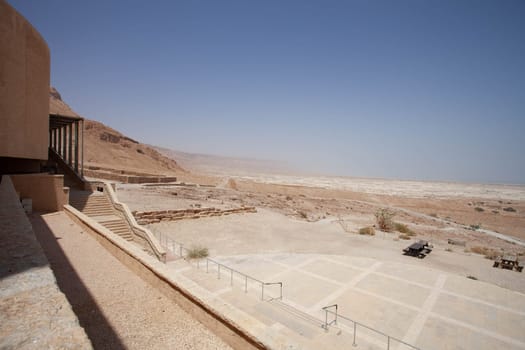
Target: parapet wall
151 217
24 88
46 191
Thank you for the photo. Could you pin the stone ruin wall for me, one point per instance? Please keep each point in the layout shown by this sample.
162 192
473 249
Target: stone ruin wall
152 217
131 179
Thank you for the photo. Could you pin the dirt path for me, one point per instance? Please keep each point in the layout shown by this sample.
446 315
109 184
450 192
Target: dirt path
117 309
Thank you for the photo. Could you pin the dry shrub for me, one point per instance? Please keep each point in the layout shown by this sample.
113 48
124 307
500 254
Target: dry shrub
402 228
302 214
510 209
369 230
384 219
197 252
434 215
232 184
404 236
480 209
489 253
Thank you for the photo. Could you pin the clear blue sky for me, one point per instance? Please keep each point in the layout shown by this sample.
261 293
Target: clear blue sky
402 89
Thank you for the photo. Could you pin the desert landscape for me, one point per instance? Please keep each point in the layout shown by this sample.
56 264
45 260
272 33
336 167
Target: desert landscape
263 175
323 238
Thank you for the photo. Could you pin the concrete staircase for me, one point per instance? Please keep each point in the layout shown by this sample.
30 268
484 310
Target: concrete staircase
97 206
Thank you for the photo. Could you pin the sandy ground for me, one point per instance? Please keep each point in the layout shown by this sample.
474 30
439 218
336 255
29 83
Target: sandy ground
403 188
436 219
267 232
117 309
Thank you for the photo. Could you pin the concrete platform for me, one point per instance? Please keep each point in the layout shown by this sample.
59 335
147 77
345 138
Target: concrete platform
424 307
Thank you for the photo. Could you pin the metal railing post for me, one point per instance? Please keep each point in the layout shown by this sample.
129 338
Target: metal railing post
262 291
245 284
231 277
219 271
355 329
207 265
281 297
388 343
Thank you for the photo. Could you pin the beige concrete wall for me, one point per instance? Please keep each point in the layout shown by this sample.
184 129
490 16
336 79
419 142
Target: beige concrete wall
24 87
47 191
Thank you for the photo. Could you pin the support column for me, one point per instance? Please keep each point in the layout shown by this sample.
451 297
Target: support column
70 149
59 148
76 146
64 142
82 169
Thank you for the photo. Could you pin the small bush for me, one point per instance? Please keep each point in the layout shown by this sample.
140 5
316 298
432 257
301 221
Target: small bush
448 250
472 277
302 214
475 227
434 215
288 198
404 236
480 209
489 253
384 219
370 231
510 209
197 252
402 228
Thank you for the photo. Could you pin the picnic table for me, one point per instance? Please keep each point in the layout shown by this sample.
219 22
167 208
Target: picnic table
508 262
419 249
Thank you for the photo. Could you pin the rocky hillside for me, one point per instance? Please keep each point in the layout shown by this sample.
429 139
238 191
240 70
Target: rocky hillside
108 148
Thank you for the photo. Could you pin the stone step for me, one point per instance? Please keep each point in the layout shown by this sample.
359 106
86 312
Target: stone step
98 205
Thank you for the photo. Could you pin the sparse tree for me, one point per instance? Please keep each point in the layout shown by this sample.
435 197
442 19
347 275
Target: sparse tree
384 220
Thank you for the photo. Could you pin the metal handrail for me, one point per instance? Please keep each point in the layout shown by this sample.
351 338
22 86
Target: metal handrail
334 321
355 323
182 250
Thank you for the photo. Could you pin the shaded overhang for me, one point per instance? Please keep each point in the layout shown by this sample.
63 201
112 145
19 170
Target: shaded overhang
57 121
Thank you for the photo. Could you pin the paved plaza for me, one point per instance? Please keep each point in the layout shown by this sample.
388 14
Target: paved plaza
421 306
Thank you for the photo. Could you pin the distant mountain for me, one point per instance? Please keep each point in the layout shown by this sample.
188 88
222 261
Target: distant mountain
108 148
221 165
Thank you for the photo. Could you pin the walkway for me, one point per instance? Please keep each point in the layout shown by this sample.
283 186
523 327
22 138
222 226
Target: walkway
34 313
116 307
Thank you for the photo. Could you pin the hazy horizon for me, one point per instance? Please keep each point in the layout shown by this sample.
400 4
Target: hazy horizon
430 91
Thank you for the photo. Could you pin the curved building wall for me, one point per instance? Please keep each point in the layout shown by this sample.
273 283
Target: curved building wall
24 88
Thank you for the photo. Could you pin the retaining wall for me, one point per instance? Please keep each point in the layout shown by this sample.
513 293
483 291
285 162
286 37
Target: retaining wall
151 217
131 179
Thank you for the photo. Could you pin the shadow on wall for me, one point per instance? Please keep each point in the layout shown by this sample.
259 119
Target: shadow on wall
92 319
